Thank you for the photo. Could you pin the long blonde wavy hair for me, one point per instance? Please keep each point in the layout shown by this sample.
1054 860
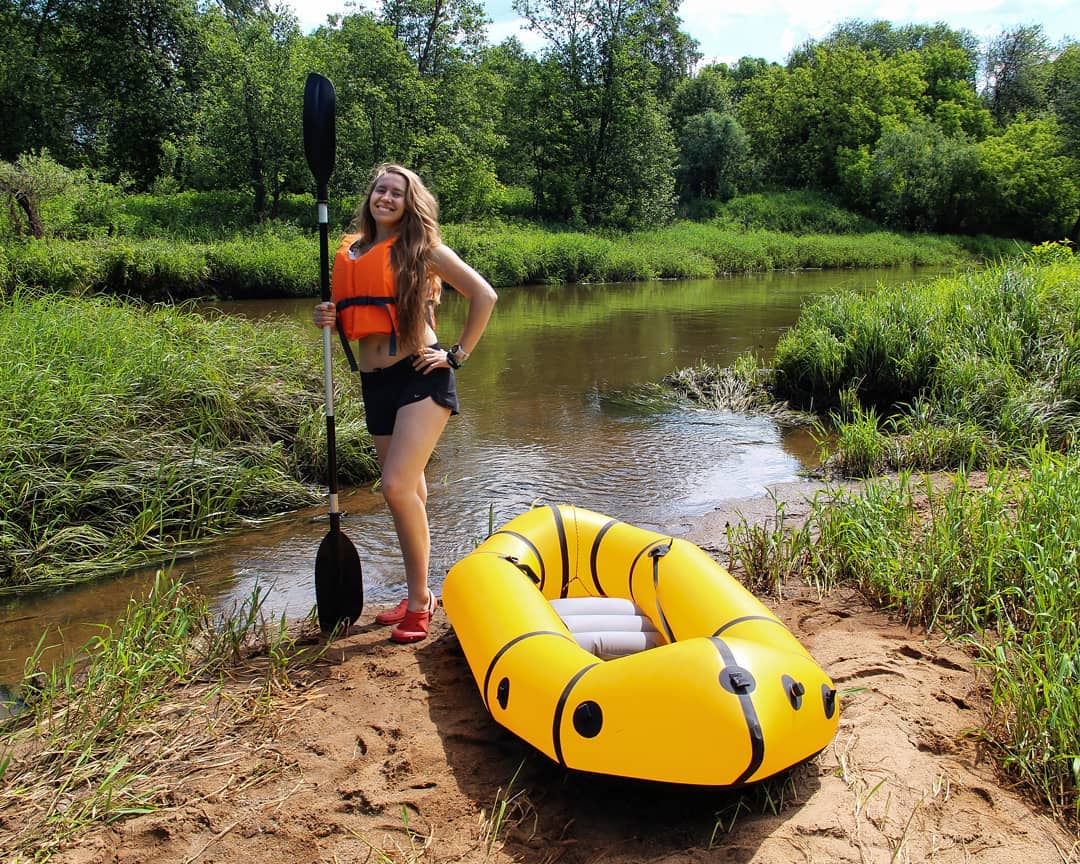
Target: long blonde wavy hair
419 234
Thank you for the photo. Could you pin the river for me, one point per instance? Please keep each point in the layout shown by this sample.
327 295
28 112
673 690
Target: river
536 427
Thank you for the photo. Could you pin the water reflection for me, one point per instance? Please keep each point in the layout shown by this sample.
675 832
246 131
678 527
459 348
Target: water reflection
532 430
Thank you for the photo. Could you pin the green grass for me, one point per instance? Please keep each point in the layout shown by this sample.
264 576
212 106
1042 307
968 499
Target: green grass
271 262
195 244
112 731
957 371
994 563
128 432
516 254
276 262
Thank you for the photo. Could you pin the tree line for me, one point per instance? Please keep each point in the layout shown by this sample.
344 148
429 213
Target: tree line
614 123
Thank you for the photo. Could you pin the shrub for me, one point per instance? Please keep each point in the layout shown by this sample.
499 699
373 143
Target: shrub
794 212
270 263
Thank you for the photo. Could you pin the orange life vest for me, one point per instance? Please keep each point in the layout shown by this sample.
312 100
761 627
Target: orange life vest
363 291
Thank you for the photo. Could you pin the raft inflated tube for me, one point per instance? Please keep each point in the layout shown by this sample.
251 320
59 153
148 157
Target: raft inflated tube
727 696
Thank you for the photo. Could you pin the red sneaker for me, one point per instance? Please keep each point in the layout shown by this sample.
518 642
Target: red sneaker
395 615
414 625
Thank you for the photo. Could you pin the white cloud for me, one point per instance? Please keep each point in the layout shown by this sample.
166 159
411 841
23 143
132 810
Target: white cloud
499 31
729 29
312 13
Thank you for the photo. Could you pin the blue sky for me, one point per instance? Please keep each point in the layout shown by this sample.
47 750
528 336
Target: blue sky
729 29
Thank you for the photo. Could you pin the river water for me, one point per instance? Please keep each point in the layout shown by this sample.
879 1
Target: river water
536 427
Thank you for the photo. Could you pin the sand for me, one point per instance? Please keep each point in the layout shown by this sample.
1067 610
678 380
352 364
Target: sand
385 753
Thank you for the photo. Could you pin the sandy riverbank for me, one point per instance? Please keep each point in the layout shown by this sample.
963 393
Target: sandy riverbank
381 738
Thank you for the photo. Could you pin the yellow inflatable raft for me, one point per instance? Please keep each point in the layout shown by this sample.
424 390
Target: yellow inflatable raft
720 694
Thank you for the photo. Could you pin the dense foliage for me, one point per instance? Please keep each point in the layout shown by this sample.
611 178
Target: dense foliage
612 123
198 244
957 371
128 433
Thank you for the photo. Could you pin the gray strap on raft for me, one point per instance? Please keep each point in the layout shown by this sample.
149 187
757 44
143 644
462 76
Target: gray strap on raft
524 568
656 554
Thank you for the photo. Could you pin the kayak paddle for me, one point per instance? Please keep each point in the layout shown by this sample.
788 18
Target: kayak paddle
339 584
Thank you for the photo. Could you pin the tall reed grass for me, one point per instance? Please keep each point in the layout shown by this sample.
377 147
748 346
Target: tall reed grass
206 244
127 433
953 371
278 262
994 562
515 254
115 730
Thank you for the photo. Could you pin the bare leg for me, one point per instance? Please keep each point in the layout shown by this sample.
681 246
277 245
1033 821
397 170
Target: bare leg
403 455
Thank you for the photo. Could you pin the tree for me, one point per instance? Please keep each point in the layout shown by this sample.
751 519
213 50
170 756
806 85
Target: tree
950 98
458 149
442 125
917 178
668 49
382 101
1016 66
250 131
886 39
1031 187
1064 93
136 65
608 152
708 90
435 32
713 149
745 70
1064 90
515 73
35 100
27 183
800 119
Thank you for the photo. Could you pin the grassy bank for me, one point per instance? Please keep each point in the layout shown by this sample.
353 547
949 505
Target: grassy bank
970 371
959 371
160 694
195 245
128 433
280 262
992 563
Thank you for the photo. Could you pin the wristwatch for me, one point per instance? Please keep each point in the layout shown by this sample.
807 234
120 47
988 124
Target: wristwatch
457 356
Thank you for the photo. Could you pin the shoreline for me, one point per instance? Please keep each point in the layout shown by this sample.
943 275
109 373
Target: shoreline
794 496
388 749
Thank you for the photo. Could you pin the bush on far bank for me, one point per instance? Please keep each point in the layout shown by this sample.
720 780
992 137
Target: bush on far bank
198 244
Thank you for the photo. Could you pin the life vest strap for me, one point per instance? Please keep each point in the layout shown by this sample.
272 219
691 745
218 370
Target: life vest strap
366 300
353 365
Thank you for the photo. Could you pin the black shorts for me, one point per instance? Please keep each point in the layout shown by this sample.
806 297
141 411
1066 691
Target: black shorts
393 387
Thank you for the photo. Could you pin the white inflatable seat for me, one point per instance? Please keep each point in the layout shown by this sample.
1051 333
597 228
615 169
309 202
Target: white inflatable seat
608 627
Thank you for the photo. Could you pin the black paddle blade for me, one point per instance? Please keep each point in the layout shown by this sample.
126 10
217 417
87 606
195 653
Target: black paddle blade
339 582
320 135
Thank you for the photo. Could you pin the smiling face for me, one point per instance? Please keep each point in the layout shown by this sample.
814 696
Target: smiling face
387 200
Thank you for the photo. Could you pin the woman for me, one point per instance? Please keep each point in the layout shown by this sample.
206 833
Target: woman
387 279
